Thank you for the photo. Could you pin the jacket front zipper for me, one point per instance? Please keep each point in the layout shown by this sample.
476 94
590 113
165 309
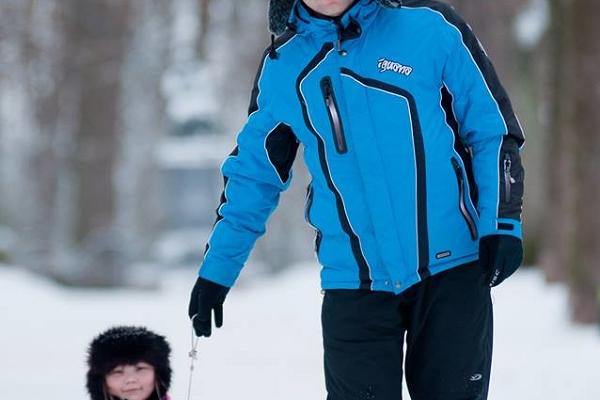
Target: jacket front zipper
334 115
461 203
508 179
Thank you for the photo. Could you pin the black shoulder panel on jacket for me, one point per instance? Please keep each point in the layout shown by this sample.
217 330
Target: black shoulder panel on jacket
282 146
481 59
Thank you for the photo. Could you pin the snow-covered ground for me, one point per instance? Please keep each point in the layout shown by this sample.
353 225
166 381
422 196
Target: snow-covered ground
270 346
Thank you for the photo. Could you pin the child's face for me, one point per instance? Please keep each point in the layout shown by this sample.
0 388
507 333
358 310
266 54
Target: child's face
131 382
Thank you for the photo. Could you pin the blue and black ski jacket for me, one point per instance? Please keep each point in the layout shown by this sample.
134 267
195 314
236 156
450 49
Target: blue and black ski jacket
410 139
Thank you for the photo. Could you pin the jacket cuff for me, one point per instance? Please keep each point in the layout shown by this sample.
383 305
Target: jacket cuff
219 272
501 226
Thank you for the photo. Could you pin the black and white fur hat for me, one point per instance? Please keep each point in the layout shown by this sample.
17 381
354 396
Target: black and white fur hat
279 12
127 345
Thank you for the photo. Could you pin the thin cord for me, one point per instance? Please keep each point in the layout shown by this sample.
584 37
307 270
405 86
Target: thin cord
157 390
193 355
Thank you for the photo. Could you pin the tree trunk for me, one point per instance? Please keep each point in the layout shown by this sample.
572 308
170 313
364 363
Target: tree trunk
20 137
203 9
96 37
584 274
560 224
142 114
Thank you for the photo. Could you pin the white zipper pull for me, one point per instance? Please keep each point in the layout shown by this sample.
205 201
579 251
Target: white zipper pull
508 179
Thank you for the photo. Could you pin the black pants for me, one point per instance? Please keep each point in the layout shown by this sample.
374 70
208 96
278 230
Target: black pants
447 321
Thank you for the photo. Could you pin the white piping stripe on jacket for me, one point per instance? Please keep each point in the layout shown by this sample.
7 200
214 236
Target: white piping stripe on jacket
460 160
214 229
484 82
331 176
307 218
470 55
414 157
498 180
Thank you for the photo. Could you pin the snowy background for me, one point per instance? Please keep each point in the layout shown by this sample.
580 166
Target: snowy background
270 345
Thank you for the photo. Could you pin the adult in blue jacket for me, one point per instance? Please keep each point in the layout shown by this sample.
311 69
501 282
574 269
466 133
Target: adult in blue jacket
415 197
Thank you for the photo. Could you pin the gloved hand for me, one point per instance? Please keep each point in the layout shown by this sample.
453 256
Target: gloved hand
499 256
206 296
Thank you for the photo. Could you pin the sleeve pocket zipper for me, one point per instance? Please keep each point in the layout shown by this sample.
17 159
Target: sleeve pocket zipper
462 205
508 179
334 115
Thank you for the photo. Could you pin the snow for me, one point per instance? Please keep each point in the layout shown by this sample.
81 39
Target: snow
7 239
199 151
270 345
179 246
190 92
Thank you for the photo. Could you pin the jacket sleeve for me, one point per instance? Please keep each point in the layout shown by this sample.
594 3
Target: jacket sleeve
255 173
488 127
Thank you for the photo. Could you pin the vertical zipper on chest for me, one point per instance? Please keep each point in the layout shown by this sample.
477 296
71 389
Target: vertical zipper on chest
461 202
334 115
508 179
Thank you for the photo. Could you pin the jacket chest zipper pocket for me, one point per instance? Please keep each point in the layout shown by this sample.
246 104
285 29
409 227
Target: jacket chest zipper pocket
461 202
334 115
508 179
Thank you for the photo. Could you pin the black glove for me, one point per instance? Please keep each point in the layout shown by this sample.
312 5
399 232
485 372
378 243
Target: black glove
206 297
499 256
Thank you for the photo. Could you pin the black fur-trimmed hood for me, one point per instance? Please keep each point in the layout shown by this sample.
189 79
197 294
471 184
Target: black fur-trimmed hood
127 345
279 12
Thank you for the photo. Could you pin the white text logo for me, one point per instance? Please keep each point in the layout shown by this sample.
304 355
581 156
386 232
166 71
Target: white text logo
387 65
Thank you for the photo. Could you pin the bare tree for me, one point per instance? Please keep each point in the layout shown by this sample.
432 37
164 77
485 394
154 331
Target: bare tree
572 245
142 116
584 272
557 243
96 37
203 10
19 135
79 172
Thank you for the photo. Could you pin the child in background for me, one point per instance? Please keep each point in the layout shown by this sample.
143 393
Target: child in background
128 363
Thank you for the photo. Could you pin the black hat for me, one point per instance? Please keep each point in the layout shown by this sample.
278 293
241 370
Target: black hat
127 345
279 12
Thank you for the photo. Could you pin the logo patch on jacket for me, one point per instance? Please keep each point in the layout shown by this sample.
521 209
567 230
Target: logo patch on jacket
443 254
389 65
